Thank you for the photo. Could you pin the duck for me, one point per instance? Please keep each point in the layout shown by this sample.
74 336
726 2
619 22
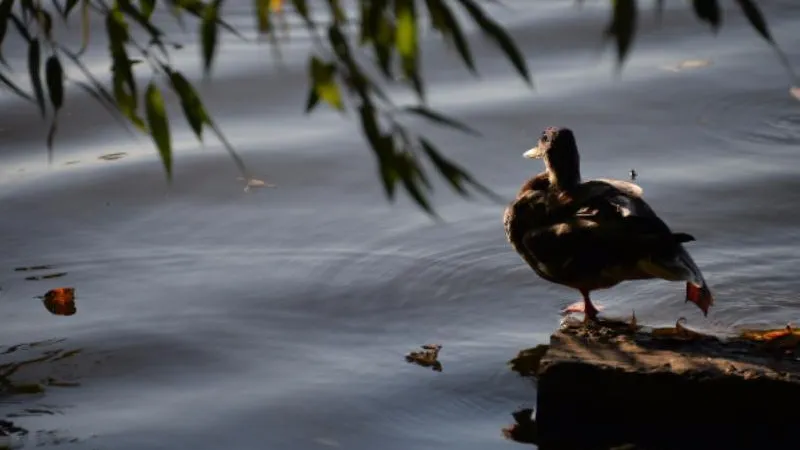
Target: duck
595 234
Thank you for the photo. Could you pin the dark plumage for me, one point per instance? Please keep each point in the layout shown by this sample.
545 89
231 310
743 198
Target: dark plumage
594 234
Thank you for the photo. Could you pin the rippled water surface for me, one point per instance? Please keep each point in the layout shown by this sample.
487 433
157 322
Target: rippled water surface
209 317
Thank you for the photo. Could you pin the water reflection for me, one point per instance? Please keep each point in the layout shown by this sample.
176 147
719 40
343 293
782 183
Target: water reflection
27 372
29 369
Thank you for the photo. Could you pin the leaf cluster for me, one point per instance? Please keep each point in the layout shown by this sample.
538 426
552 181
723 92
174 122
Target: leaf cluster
348 70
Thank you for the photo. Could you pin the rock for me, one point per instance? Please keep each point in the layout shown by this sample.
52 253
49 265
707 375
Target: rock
608 386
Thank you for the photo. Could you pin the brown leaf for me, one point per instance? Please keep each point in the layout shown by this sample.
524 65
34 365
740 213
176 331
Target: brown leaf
677 332
60 301
426 358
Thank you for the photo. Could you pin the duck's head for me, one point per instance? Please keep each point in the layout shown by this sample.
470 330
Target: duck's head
559 151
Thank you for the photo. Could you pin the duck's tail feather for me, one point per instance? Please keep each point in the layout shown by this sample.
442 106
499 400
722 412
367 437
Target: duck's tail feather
681 267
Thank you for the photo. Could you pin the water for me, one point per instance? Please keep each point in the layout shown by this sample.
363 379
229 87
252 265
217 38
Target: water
213 318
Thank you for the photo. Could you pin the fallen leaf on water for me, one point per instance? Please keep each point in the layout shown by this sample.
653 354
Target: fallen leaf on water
689 64
60 301
768 335
429 357
45 277
784 338
113 156
255 183
677 332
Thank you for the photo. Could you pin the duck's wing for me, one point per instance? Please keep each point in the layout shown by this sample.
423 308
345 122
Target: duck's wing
627 187
617 234
581 251
612 199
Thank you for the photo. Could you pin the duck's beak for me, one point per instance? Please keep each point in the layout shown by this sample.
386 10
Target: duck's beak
534 153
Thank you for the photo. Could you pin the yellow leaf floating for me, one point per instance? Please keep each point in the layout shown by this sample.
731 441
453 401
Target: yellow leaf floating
786 338
769 335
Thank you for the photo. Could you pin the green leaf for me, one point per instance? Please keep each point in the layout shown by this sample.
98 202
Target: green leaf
443 20
371 14
54 76
34 70
441 119
756 19
406 43
323 79
117 29
500 36
209 32
147 7
454 174
406 35
339 16
623 27
193 109
383 146
383 45
708 11
85 26
45 22
159 125
144 21
313 100
123 81
263 12
411 175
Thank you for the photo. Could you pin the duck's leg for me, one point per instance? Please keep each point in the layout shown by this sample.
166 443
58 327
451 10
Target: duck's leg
585 306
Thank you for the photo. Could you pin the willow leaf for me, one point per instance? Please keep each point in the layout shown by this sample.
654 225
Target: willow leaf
500 36
159 125
708 11
35 73
54 76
